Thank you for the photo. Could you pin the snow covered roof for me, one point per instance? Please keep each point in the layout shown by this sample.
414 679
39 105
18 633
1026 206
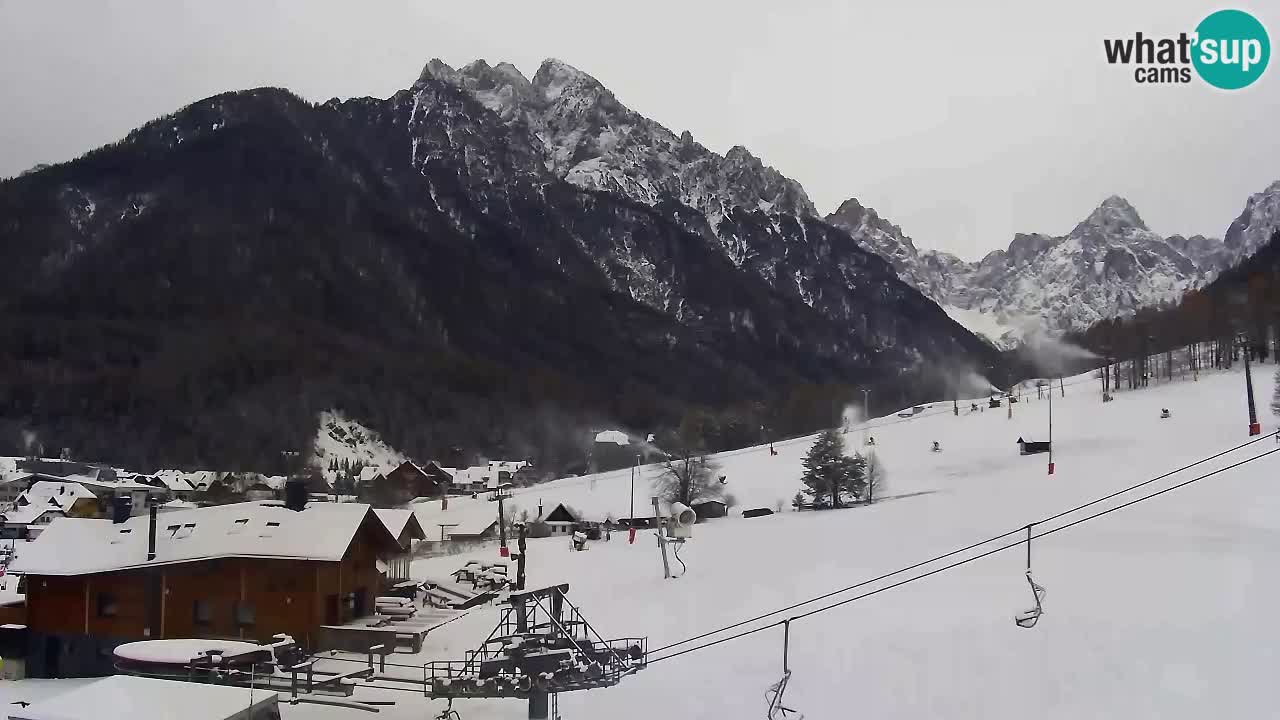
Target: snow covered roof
613 436
175 480
266 529
51 493
472 526
93 483
128 697
201 479
508 466
27 514
180 651
368 473
471 475
395 521
432 466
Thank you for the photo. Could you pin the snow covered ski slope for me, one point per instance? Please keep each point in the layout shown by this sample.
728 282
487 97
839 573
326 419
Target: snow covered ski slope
1160 609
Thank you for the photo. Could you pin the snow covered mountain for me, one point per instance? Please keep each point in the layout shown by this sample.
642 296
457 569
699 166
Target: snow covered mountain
464 266
1254 227
1110 264
595 142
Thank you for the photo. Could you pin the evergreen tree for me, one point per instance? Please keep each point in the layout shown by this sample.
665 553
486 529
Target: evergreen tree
1275 400
828 472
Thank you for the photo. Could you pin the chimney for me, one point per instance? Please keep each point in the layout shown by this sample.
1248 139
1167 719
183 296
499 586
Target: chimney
121 508
295 494
151 533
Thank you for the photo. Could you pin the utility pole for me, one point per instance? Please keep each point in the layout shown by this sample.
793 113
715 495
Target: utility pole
1254 427
866 413
631 531
662 540
1051 428
502 529
521 532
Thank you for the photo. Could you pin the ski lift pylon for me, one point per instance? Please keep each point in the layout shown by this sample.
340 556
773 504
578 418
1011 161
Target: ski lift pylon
778 711
1029 618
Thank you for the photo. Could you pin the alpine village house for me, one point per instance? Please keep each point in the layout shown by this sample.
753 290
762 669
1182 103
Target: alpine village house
245 571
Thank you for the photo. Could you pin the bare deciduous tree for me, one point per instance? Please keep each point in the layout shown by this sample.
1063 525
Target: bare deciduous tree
688 474
689 478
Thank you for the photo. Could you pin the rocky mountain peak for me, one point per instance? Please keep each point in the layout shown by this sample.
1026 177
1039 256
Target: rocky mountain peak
1252 229
555 77
1109 265
592 140
740 154
437 69
885 239
1115 214
850 213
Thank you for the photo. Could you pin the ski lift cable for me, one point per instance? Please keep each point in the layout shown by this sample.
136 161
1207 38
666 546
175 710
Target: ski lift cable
955 552
957 563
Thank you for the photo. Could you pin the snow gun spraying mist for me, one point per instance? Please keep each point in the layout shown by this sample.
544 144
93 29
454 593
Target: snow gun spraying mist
1054 357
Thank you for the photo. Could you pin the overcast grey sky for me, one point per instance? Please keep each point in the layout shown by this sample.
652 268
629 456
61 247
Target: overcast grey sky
963 122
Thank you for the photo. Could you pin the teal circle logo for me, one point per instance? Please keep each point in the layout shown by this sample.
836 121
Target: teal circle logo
1232 49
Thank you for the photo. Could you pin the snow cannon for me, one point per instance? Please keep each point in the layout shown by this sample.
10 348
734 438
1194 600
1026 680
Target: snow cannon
681 520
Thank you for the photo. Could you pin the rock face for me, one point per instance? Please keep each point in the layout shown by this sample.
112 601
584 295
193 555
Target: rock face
478 261
1255 226
595 142
1110 264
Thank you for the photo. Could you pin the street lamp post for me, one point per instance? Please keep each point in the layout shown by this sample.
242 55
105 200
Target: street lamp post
866 413
1254 427
631 530
1051 427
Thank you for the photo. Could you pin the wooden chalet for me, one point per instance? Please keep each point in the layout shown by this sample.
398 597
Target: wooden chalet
405 482
709 509
240 571
441 477
403 525
561 520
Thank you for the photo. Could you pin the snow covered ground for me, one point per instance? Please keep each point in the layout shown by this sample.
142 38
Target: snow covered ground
1159 610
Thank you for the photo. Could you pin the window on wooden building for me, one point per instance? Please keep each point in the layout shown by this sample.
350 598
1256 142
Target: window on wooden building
244 614
202 612
108 605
